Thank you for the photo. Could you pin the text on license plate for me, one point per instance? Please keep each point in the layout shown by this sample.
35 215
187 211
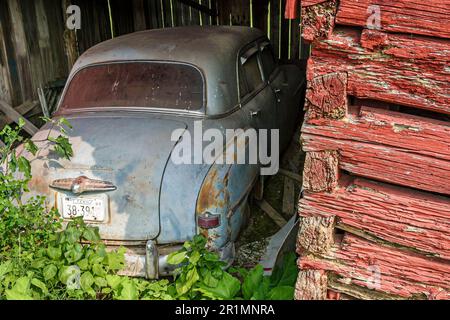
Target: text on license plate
91 209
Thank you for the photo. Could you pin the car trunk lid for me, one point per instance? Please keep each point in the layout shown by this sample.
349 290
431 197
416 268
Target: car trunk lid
126 155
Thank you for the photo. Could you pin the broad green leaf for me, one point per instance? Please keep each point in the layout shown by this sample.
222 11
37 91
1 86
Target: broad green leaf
98 270
194 258
86 281
83 264
286 275
15 295
116 260
68 273
209 279
252 281
227 288
54 253
91 234
281 293
114 281
74 254
50 272
39 284
129 291
22 285
101 282
191 278
5 268
176 258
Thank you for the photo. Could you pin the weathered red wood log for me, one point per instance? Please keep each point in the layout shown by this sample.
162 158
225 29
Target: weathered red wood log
311 285
428 18
388 72
321 171
317 19
383 269
413 219
326 96
421 49
413 134
385 163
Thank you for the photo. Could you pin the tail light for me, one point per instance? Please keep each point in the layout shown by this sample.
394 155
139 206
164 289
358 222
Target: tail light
208 221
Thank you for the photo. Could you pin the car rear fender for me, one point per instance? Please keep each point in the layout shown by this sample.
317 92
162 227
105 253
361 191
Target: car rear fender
224 193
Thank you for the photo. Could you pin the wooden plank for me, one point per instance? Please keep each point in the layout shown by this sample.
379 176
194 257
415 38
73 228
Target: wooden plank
23 109
167 13
224 8
321 171
326 95
95 23
178 13
412 134
385 163
21 54
272 213
5 87
294 176
401 273
139 15
387 72
284 39
275 26
123 17
428 18
201 6
70 39
11 64
388 214
14 115
295 38
260 11
288 197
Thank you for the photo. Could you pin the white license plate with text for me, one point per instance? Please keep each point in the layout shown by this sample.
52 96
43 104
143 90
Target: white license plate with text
92 208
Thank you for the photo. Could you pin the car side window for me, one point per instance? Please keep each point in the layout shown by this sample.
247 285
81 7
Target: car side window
267 59
250 76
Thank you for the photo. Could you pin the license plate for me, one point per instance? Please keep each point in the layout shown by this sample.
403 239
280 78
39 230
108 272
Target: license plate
90 208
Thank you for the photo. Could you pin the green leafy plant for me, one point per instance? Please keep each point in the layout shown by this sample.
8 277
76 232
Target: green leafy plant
201 276
43 258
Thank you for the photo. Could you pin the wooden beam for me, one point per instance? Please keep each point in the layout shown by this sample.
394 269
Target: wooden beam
11 113
23 109
292 175
199 7
288 196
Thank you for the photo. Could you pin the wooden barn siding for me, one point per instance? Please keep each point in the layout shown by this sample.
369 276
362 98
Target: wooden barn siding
32 48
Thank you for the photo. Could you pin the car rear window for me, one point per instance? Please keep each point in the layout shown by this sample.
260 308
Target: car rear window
135 84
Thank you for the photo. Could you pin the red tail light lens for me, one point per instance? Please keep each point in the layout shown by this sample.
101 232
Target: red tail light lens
208 221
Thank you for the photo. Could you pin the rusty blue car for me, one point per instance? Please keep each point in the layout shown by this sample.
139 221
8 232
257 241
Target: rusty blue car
125 98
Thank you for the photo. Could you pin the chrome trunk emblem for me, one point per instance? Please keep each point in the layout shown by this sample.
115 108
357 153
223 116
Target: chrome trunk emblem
82 184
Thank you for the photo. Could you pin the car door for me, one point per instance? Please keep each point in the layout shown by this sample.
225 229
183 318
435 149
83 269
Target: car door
257 98
284 81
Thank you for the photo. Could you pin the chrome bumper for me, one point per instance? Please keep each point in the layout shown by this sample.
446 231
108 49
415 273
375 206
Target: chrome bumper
153 264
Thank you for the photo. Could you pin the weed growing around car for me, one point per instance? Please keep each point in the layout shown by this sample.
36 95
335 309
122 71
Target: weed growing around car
41 258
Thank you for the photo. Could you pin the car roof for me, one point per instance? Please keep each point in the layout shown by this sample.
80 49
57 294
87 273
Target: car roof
213 49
